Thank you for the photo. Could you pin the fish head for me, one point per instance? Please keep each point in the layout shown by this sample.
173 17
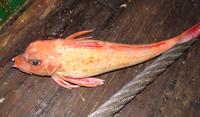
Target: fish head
37 59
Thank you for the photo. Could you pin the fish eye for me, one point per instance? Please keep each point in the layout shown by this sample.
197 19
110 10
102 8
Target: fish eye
35 62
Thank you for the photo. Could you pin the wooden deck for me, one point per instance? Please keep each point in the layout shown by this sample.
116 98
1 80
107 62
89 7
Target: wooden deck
175 93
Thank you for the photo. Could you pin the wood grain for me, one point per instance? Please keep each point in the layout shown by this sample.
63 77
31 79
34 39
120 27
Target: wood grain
175 93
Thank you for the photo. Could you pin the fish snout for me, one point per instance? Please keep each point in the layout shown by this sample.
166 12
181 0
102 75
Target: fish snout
13 62
20 63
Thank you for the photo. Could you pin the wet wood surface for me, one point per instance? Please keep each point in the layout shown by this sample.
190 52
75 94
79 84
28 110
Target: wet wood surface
175 93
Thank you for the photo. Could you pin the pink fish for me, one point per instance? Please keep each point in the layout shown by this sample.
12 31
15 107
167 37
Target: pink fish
77 60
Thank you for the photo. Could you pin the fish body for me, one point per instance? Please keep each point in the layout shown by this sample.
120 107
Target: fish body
77 60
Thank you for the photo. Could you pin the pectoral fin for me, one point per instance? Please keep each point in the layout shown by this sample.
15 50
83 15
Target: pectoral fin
62 82
65 81
88 82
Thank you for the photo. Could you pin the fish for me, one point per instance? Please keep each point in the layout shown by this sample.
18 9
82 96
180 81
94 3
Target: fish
73 62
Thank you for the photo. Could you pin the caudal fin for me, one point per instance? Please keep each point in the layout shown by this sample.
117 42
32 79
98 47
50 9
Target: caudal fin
189 34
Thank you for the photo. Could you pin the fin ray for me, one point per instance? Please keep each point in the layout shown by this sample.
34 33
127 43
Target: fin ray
78 34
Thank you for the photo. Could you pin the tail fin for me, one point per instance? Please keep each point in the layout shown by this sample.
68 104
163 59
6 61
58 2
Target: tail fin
189 34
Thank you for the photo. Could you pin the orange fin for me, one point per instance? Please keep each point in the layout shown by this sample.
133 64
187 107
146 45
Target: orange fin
78 34
65 81
88 82
189 34
62 82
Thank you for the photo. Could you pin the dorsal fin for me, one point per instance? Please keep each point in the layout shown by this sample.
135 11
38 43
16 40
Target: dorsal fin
78 34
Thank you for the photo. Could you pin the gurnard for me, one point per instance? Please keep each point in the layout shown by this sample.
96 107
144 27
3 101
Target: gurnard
73 62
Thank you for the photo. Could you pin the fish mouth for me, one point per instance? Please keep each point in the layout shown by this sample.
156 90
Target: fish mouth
15 66
28 72
13 62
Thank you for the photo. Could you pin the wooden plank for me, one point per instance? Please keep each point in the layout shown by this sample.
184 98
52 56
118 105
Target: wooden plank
174 93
